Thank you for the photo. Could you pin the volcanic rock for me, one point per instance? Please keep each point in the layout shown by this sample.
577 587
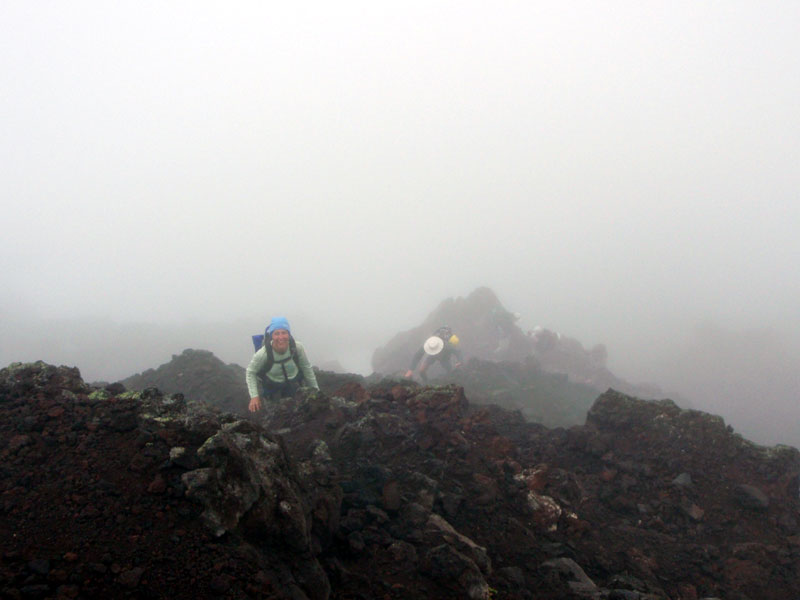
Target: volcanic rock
382 495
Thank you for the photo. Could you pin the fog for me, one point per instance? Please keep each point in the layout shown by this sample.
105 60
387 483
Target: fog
173 174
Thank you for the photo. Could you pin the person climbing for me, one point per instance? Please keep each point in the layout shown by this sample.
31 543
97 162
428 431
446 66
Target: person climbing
441 346
279 367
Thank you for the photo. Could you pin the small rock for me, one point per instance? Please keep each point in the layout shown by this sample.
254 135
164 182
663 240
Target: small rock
445 563
40 566
486 489
98 567
68 591
356 542
55 412
131 577
220 584
683 480
624 595
179 456
35 591
578 581
157 486
403 553
749 496
18 441
513 575
693 511
391 496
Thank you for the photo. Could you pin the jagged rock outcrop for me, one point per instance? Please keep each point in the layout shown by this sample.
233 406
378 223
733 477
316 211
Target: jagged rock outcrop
472 319
392 490
645 501
540 396
199 375
144 495
489 332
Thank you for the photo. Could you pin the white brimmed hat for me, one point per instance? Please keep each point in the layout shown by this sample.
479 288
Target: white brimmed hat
433 345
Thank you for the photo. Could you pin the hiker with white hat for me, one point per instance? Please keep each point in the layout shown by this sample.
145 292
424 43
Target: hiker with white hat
439 347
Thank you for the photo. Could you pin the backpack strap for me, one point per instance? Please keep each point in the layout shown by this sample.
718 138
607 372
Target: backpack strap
270 354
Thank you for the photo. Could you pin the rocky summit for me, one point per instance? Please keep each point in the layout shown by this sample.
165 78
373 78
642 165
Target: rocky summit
382 490
488 331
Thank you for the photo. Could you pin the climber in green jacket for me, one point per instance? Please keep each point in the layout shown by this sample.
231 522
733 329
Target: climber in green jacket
279 367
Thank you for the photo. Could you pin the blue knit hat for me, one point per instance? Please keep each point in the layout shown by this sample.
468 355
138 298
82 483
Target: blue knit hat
278 323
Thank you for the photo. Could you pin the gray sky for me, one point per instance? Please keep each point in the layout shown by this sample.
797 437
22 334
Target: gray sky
620 171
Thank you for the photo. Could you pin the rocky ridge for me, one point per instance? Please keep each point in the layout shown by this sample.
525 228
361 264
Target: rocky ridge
550 378
200 375
541 397
488 331
385 491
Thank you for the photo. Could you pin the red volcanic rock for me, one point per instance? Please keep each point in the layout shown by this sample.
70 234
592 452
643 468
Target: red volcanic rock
411 494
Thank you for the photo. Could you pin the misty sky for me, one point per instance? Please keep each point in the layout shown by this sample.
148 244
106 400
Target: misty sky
620 171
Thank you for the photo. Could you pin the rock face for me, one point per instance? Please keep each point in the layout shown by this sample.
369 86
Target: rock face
540 396
200 375
489 332
386 491
475 322
144 495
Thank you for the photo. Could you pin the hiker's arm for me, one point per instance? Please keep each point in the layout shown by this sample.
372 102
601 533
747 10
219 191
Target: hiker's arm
457 355
416 359
305 366
414 362
256 366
